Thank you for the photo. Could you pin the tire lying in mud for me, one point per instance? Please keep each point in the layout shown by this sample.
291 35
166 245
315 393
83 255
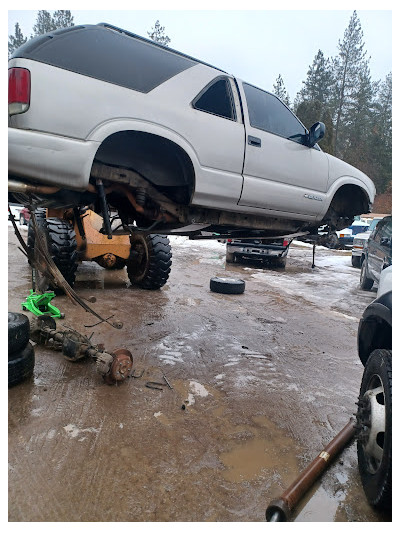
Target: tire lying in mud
18 331
374 442
150 262
21 355
61 245
227 285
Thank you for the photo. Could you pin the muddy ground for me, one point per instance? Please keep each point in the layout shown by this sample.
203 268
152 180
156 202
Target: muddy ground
267 379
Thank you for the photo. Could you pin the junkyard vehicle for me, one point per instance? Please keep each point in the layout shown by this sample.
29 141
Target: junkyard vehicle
374 414
359 240
98 115
272 252
346 236
24 216
76 235
376 254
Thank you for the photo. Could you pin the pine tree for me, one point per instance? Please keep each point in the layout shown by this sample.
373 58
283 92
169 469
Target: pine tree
16 40
319 81
280 90
44 23
63 19
347 66
157 34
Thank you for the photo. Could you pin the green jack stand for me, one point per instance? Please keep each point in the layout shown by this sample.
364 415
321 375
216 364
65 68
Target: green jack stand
39 304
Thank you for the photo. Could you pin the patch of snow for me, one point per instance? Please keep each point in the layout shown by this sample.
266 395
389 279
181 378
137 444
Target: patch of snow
198 389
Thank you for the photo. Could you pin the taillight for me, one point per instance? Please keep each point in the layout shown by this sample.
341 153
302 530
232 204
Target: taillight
285 243
228 240
19 90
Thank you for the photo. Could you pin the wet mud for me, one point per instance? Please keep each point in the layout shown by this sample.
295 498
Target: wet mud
260 383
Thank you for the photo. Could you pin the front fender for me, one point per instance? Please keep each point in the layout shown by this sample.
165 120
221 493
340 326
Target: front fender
368 190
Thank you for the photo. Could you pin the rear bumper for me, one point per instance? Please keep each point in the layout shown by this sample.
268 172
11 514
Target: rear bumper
260 252
50 159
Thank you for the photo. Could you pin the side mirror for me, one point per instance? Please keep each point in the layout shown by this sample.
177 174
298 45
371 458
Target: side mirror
317 132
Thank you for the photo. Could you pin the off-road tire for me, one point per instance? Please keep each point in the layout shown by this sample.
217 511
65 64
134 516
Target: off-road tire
227 285
40 214
21 365
18 332
376 474
61 244
366 283
150 262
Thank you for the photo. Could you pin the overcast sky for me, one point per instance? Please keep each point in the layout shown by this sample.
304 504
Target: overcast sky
255 46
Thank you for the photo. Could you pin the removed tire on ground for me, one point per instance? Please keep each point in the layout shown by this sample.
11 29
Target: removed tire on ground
227 285
18 332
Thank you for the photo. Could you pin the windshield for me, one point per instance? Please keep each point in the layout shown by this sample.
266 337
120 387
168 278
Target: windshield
373 224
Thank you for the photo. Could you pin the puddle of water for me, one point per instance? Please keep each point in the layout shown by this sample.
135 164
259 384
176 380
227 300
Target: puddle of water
260 455
319 508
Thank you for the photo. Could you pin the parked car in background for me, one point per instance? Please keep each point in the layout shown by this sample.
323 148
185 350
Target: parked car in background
270 252
359 240
24 216
374 413
346 236
377 254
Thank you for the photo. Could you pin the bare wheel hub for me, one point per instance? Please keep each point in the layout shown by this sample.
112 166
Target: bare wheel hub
120 367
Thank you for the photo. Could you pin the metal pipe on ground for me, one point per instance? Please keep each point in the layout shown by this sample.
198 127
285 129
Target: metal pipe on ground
280 510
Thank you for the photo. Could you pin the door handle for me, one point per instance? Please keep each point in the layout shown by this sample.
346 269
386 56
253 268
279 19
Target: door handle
254 141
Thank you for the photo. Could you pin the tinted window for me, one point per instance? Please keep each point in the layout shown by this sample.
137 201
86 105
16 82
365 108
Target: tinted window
217 99
387 229
107 55
268 113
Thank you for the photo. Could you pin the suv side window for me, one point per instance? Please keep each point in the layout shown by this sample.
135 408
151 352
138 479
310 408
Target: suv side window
268 113
386 230
377 234
217 99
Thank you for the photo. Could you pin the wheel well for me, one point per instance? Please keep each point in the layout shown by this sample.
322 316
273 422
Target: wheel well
350 200
161 161
375 333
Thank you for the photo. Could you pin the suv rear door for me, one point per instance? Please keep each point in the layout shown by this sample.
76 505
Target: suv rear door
380 248
280 172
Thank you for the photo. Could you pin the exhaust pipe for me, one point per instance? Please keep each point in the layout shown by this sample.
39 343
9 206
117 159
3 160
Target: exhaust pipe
280 510
28 188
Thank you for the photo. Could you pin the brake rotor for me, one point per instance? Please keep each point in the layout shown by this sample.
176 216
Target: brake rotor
120 367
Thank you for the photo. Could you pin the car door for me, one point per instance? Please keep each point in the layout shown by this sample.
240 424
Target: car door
380 248
280 173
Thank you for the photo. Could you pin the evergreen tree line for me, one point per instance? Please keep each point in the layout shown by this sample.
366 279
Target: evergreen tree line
338 91
356 110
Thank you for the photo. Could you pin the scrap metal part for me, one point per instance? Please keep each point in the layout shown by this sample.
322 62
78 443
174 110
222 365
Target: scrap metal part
114 367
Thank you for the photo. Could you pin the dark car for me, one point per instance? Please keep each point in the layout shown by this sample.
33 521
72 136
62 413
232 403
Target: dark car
272 252
374 413
377 254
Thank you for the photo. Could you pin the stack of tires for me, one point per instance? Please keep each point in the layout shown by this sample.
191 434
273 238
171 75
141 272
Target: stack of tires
21 355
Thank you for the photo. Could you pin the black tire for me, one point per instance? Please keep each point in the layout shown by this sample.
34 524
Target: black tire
366 282
21 366
227 285
230 257
61 244
18 332
280 262
356 261
332 241
150 262
374 443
